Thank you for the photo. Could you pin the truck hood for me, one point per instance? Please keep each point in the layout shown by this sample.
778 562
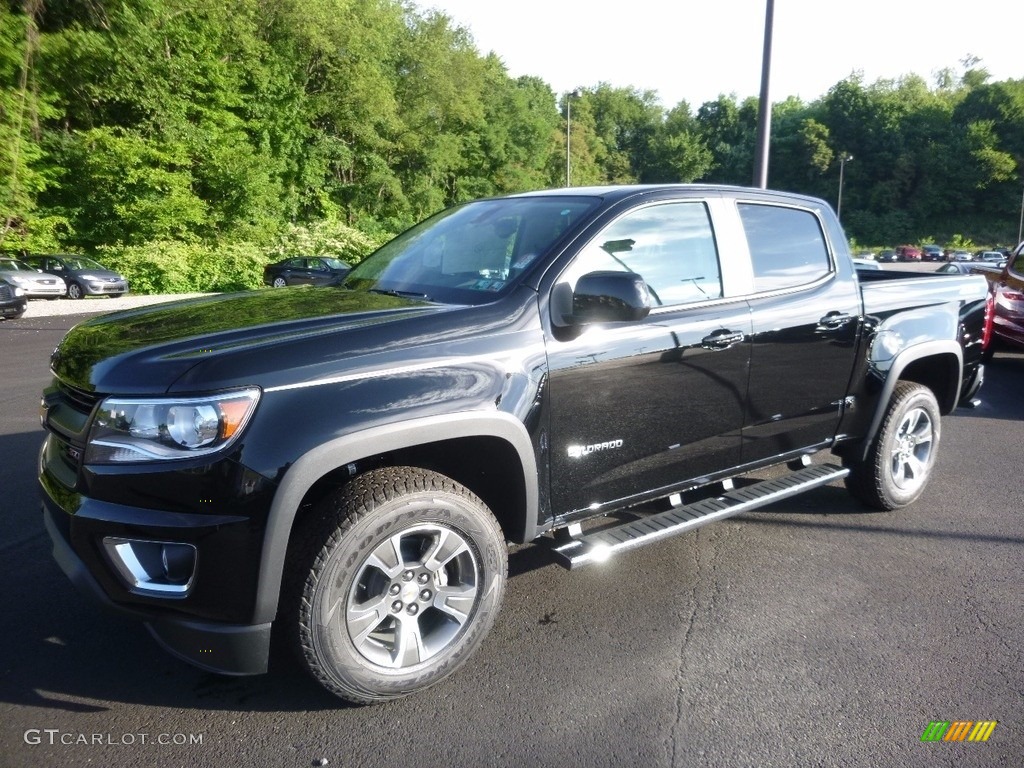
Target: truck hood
144 351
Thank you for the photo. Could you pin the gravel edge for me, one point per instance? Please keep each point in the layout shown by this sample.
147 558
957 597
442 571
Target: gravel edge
98 304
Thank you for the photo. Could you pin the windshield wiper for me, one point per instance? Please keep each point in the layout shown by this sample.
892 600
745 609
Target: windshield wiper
400 294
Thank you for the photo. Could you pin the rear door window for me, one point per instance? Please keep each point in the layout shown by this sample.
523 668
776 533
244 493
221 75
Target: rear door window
787 246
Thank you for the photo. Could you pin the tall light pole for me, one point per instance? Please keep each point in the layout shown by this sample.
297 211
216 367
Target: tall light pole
843 160
764 106
573 94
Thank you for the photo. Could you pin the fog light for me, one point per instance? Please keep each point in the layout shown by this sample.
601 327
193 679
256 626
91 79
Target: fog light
158 568
179 561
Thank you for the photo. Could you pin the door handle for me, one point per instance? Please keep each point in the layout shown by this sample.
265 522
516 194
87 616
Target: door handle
721 339
834 320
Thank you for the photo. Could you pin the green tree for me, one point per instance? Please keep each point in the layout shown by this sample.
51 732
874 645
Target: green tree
677 151
626 121
22 106
729 130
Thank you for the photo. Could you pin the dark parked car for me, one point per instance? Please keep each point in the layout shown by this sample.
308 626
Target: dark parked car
12 301
83 276
932 253
887 256
306 270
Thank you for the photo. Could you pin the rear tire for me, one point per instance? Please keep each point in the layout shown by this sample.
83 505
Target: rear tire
395 581
901 459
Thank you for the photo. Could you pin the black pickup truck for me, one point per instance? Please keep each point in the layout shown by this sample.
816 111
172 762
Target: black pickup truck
348 463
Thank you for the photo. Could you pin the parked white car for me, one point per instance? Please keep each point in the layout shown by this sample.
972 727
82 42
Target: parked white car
35 284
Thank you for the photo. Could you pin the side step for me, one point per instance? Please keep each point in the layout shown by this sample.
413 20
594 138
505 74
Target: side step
599 546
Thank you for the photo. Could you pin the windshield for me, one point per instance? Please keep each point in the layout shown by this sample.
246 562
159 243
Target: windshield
15 265
469 253
80 262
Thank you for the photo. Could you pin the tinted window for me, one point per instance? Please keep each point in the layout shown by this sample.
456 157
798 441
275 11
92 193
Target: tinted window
786 245
671 246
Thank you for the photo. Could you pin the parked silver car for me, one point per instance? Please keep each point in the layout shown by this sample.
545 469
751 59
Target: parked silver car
34 283
995 258
84 277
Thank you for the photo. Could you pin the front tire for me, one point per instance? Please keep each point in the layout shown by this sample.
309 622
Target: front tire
75 291
902 457
397 580
280 282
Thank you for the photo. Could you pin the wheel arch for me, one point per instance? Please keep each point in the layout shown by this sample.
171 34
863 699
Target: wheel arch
457 445
933 364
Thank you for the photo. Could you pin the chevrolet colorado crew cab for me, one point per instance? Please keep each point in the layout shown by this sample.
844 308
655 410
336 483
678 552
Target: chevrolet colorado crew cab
347 464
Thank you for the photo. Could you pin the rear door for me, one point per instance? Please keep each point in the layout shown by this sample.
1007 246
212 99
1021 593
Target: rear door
637 407
302 272
805 313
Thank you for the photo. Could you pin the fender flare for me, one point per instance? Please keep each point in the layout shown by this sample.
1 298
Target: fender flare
326 458
896 367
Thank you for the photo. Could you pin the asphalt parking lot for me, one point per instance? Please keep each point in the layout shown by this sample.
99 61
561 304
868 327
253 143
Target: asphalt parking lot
812 633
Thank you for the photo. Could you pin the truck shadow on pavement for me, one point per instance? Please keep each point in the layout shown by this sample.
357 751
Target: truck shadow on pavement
1000 394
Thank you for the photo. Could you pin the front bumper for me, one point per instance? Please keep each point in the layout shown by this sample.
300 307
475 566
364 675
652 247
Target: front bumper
14 308
44 292
104 287
231 649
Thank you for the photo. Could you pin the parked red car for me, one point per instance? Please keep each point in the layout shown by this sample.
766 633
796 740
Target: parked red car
1007 287
908 253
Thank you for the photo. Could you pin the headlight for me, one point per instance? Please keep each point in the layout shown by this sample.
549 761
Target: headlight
158 429
19 291
89 277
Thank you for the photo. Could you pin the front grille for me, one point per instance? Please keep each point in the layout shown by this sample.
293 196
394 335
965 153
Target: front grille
6 292
79 399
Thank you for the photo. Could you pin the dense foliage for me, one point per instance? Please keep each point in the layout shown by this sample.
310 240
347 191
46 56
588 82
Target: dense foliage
189 142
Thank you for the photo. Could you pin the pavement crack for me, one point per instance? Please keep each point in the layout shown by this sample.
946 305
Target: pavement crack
676 734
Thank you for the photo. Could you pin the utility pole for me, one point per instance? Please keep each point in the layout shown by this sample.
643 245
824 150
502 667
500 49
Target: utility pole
764 107
574 94
843 160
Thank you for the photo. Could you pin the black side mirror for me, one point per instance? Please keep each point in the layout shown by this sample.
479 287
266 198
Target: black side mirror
603 297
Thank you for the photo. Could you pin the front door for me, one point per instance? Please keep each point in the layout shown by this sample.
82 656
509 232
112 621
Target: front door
641 408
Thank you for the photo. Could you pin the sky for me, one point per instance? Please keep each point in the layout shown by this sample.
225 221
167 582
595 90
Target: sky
695 50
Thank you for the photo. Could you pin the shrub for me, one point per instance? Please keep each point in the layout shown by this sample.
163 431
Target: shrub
173 266
167 266
325 238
